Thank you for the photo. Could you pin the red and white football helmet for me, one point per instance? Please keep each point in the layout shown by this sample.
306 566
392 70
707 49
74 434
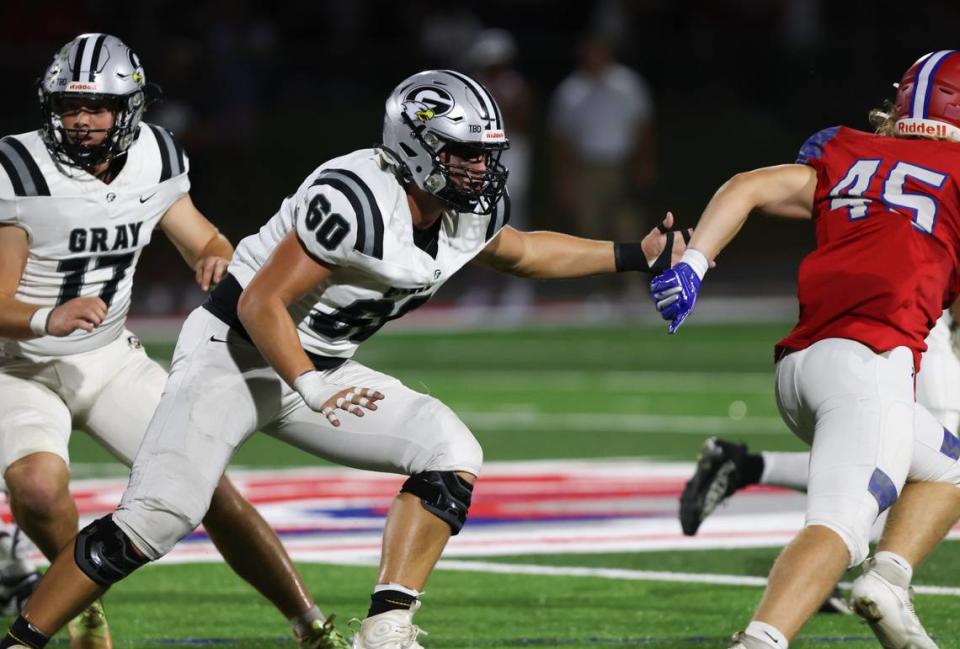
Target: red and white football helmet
928 97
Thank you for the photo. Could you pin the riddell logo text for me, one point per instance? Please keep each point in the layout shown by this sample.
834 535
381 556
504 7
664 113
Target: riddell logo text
914 128
76 85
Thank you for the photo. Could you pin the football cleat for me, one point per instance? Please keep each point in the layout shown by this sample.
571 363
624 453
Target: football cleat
389 630
888 608
836 603
89 630
18 575
323 635
719 474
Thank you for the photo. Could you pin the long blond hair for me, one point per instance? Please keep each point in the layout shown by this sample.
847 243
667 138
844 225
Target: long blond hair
884 119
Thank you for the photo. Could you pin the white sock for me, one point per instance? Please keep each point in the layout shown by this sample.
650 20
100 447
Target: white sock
893 568
790 470
302 624
768 634
397 587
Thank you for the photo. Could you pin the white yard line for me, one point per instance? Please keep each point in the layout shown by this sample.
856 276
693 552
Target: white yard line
621 423
639 575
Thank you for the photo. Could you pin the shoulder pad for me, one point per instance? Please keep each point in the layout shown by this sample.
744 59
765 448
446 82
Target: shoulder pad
21 169
812 149
173 160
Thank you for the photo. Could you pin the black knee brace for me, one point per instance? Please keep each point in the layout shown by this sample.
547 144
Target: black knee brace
444 494
104 553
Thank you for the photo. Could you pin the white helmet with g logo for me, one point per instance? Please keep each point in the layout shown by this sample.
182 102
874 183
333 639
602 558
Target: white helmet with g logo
441 110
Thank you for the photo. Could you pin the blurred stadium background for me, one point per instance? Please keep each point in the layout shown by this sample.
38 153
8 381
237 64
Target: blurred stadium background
589 415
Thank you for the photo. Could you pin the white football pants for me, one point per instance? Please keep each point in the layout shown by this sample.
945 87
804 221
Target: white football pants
110 393
856 408
219 393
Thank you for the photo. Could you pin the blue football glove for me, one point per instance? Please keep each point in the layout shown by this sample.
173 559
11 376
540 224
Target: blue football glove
675 293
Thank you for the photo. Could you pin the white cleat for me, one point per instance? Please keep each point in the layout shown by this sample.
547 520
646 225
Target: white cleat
390 630
888 608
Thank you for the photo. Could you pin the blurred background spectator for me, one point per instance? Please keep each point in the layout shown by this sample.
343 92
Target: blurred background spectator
602 140
260 92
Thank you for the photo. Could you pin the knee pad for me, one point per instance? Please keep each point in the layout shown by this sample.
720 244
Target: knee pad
444 494
104 553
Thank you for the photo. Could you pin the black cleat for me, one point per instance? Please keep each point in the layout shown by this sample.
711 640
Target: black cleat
836 604
720 472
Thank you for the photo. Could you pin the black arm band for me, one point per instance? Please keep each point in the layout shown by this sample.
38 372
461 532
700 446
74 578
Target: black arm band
629 256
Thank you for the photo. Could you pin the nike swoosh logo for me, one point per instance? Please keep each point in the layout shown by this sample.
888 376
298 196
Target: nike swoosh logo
144 200
217 340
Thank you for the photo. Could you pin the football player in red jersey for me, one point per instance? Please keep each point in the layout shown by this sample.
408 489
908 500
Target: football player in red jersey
886 209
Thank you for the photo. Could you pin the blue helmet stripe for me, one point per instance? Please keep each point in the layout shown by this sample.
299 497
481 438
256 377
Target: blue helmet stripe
924 83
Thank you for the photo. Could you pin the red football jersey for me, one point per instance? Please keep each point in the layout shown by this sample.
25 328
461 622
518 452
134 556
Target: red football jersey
887 216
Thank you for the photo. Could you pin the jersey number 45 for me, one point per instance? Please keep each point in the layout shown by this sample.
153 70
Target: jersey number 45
849 192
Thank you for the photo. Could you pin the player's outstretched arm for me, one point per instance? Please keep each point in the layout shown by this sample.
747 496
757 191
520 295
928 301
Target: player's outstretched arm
785 190
200 244
22 321
554 255
288 275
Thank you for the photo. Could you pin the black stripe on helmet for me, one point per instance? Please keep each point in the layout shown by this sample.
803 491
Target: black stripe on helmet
95 59
78 58
486 99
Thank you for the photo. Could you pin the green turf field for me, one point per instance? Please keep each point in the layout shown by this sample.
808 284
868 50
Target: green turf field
533 394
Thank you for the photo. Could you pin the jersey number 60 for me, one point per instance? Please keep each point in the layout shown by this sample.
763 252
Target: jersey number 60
333 227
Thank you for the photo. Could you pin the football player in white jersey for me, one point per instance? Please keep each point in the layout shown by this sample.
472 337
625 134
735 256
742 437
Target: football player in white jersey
364 239
79 200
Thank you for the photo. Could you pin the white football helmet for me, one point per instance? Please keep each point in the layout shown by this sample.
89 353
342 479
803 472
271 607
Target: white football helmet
442 109
98 67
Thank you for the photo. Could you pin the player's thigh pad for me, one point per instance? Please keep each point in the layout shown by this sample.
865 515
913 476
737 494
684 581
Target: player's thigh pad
217 394
863 412
409 432
938 382
936 451
32 420
122 410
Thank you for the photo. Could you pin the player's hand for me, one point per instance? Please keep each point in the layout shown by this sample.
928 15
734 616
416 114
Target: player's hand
210 270
661 239
352 400
84 313
315 391
675 294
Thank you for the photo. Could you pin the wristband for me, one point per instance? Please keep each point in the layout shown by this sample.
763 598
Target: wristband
629 256
39 320
306 383
696 260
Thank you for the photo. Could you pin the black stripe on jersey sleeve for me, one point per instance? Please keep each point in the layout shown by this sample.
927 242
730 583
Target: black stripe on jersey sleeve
96 56
355 203
500 217
78 59
14 176
375 214
181 165
33 184
165 171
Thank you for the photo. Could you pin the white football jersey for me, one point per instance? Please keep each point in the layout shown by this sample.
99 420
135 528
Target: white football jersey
85 236
352 214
